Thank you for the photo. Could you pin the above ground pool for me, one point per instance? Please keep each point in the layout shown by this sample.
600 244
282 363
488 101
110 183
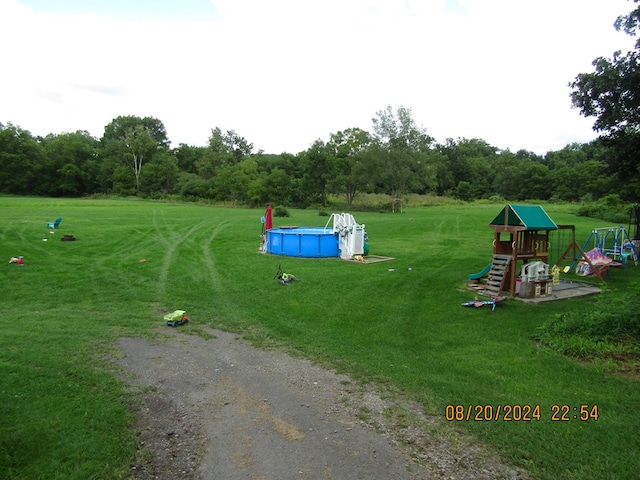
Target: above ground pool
310 242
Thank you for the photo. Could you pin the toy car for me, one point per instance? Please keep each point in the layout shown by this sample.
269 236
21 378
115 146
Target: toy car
178 317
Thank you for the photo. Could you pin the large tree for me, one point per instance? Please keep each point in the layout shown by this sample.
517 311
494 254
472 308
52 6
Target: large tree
118 127
140 143
128 141
611 94
402 146
351 149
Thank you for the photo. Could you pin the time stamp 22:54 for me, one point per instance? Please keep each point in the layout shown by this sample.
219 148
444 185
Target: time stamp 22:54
520 413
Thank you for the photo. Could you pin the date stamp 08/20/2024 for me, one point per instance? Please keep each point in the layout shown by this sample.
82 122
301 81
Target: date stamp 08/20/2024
520 413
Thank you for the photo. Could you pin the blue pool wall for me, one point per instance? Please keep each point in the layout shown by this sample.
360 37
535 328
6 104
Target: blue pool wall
307 242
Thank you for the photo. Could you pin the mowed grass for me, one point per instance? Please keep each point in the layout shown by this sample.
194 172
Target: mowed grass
66 415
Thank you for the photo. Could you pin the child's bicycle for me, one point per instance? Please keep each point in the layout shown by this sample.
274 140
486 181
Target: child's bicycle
284 278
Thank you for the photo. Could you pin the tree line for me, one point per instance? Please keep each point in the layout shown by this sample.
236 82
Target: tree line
134 157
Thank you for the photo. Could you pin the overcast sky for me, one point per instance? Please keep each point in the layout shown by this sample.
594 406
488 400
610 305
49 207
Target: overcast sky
283 73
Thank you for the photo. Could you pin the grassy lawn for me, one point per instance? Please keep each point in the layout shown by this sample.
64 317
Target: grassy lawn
65 413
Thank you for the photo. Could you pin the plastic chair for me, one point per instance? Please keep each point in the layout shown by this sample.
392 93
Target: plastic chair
55 223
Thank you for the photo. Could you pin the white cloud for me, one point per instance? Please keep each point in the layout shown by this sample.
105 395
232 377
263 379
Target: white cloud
285 72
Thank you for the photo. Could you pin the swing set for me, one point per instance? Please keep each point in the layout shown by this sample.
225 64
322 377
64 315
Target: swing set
613 242
610 242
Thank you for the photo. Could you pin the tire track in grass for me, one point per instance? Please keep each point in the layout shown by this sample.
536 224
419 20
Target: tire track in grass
172 242
451 224
125 245
209 259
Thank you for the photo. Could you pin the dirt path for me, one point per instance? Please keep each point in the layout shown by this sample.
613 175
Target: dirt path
222 409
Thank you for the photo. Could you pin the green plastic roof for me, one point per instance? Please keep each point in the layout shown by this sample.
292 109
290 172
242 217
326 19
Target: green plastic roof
532 217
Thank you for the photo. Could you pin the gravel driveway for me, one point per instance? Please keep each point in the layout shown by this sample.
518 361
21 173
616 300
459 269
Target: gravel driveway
219 408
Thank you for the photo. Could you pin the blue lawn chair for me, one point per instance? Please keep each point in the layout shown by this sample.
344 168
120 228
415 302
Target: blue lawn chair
55 223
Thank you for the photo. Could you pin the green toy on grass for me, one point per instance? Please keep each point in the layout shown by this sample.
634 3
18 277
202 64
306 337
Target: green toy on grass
177 317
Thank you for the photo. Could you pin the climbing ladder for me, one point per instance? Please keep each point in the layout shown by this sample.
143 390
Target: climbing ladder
351 235
498 274
496 277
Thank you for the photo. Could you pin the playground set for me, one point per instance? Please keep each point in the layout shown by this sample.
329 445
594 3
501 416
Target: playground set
521 264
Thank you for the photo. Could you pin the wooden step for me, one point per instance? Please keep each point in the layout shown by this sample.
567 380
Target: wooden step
497 274
495 280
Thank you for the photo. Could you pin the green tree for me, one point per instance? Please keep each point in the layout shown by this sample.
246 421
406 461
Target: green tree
118 127
472 161
187 157
400 146
319 168
351 149
281 179
123 181
579 170
535 180
506 177
129 141
230 142
160 176
223 149
464 191
611 94
232 181
281 189
21 162
70 158
191 186
445 181
140 145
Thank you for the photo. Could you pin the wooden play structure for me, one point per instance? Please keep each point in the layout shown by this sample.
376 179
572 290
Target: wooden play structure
521 234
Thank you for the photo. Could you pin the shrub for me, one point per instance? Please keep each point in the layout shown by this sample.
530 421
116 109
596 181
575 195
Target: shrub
606 329
609 210
281 212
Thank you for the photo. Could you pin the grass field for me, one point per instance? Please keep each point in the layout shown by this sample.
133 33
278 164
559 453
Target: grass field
65 413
